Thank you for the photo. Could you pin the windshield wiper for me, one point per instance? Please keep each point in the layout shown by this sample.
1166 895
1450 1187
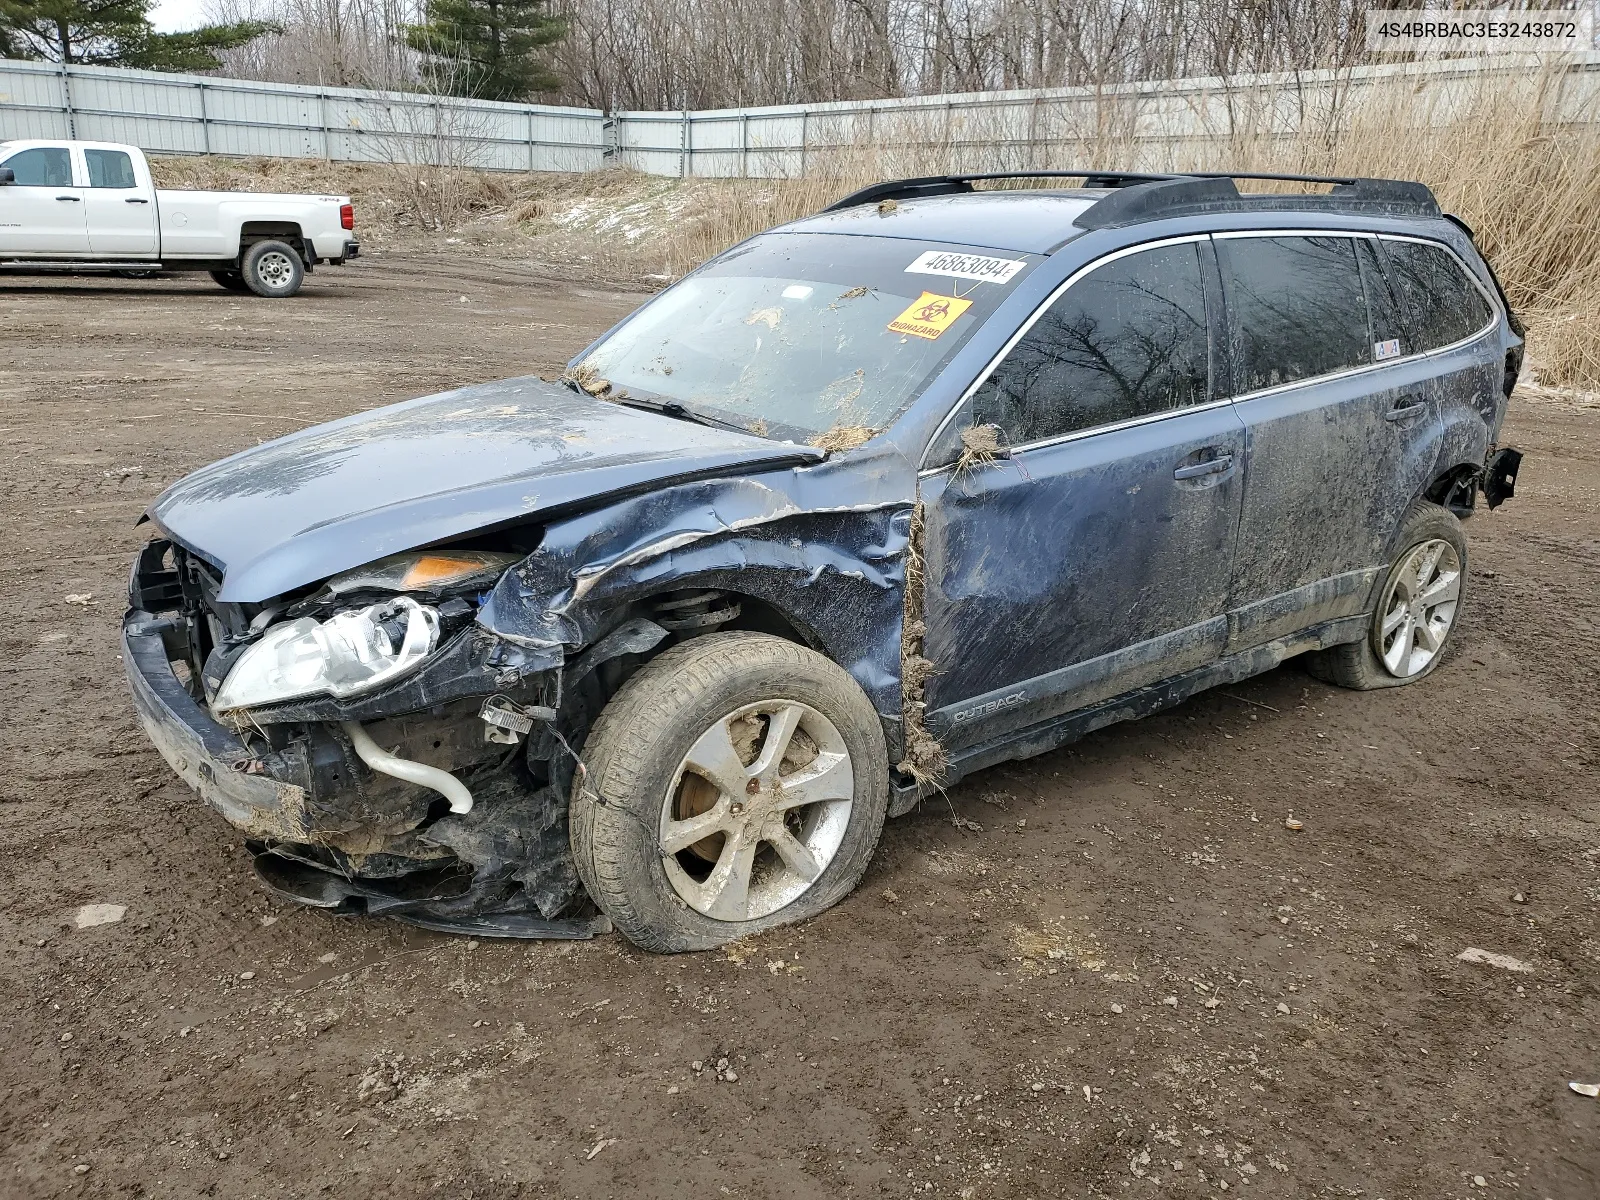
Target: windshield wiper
679 411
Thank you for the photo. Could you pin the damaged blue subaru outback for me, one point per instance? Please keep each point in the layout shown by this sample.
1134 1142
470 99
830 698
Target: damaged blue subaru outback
943 476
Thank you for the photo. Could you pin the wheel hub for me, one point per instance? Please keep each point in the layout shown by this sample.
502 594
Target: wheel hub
275 270
757 810
1418 608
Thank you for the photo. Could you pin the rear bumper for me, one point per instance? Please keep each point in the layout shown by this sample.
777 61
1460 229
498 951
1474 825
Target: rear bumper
334 248
206 754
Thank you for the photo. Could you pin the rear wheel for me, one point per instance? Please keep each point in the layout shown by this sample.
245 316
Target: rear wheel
1418 604
736 783
272 269
231 280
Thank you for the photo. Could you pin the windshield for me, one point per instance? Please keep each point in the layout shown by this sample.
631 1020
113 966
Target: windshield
822 338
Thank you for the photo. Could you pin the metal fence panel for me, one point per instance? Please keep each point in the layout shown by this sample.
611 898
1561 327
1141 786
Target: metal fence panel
191 114
1015 130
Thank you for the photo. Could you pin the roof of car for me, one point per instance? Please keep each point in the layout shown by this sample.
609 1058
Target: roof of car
1031 220
1022 222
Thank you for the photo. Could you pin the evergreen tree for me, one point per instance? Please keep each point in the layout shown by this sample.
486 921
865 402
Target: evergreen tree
113 33
487 49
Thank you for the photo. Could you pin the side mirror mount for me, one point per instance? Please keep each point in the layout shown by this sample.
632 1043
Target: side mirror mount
7 175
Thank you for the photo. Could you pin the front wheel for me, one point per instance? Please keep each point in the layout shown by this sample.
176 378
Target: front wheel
1419 603
736 783
272 269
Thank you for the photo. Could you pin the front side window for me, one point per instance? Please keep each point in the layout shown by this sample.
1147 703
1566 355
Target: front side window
806 337
1296 308
1440 300
1125 341
42 166
110 169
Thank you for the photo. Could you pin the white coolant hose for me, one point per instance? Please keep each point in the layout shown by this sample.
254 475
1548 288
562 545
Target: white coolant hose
380 760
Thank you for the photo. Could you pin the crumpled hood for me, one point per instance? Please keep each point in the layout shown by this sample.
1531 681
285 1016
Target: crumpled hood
296 510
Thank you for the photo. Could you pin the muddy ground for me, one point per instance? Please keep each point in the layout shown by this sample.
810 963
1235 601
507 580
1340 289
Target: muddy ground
1119 975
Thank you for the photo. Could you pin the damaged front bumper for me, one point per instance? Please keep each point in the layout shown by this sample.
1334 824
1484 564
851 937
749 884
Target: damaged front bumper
499 870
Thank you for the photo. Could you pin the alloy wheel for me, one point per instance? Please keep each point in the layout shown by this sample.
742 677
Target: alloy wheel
757 810
1418 608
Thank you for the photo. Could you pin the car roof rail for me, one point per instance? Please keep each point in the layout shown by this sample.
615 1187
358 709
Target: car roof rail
1141 196
951 185
1215 192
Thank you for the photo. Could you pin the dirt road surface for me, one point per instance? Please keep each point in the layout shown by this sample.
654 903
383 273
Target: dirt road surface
1118 975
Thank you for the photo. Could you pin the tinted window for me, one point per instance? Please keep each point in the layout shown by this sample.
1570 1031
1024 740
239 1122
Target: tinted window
110 169
43 166
1126 340
1390 338
1296 307
1440 301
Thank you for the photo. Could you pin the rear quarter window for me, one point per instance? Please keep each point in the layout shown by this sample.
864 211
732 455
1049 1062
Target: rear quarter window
1442 305
1296 306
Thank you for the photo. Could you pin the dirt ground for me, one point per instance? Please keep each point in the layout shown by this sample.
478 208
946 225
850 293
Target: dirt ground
1119 975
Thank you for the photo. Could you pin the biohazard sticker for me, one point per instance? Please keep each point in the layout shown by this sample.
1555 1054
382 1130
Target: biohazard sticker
929 315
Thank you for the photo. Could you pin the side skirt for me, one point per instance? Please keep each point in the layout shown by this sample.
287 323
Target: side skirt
1060 731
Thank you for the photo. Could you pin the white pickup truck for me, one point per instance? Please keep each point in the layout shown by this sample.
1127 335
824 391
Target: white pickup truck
91 206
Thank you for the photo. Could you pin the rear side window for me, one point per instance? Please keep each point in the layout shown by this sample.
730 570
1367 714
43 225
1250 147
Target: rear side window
1127 340
1441 302
1297 308
110 169
1390 338
43 166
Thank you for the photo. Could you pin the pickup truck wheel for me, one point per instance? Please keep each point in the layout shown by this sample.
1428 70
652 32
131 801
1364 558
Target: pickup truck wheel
736 783
273 269
1418 604
231 280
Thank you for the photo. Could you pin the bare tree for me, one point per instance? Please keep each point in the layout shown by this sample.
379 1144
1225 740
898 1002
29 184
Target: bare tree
335 43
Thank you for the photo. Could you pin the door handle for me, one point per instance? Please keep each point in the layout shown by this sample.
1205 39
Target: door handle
1401 411
1214 466
74 199
135 200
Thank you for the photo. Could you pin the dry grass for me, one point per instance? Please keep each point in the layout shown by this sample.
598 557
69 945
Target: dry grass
924 758
843 437
980 446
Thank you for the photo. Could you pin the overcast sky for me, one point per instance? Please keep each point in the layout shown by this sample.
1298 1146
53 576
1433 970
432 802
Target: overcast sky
170 16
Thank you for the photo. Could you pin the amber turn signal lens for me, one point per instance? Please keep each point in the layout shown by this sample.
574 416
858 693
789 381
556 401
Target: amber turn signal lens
434 568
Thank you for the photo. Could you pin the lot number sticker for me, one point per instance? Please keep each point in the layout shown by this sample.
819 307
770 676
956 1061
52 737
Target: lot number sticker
930 315
967 266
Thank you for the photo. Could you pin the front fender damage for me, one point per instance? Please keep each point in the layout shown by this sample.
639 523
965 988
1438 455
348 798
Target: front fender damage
826 547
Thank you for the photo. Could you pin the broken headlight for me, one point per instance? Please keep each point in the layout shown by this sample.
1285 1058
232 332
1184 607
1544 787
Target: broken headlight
452 570
350 652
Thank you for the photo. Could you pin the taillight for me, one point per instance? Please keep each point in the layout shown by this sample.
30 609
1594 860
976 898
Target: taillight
347 215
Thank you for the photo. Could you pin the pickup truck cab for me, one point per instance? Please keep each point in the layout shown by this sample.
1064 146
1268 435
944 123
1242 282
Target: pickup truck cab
92 206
